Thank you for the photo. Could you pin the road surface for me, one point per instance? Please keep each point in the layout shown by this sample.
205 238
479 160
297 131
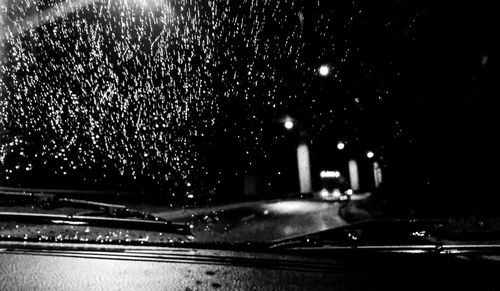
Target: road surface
259 221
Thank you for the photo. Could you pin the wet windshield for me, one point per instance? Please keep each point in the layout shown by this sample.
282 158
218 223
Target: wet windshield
249 120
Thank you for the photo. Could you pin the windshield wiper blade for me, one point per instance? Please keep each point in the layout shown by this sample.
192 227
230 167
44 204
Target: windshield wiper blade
53 201
400 227
106 215
136 224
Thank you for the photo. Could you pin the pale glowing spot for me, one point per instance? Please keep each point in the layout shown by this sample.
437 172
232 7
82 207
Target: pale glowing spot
324 70
293 207
324 193
333 195
329 174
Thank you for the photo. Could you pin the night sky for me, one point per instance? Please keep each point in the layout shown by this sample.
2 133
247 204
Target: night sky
189 97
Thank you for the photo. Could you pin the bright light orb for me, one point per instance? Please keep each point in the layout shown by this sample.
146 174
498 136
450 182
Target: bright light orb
324 70
329 174
340 145
370 154
289 124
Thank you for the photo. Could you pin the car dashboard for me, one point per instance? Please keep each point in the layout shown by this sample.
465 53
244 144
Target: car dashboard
49 266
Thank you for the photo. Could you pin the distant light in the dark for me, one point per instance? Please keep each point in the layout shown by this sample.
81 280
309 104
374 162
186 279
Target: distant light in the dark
289 124
340 145
324 193
329 174
324 70
370 154
484 60
330 195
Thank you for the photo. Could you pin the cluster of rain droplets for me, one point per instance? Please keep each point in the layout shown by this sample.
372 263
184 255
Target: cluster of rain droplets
132 88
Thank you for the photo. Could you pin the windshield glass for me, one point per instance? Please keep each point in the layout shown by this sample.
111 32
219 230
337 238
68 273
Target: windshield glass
252 120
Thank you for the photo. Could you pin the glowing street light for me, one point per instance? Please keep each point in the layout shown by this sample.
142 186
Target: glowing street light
370 154
303 162
324 70
289 124
340 145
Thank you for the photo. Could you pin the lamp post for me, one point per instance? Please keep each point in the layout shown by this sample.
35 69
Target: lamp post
303 155
303 161
304 167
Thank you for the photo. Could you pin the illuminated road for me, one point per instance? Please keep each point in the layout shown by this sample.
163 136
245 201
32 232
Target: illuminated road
259 221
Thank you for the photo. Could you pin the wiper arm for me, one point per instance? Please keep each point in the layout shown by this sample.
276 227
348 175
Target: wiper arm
106 209
106 214
145 225
53 201
348 236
